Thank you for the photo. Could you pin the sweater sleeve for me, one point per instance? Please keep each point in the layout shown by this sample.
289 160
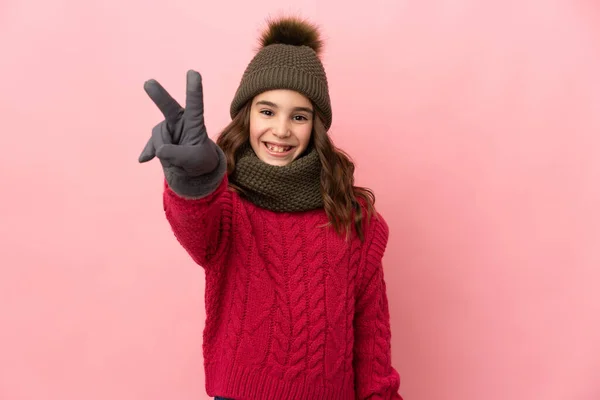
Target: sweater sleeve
201 225
375 378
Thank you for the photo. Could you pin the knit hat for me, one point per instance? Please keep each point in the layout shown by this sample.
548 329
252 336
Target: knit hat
287 59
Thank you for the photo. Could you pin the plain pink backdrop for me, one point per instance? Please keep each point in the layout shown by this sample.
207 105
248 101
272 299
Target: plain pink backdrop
476 123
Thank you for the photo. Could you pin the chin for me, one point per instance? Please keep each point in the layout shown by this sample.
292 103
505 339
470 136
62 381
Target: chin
278 162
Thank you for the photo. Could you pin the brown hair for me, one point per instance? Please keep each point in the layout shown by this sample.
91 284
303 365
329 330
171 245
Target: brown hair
344 203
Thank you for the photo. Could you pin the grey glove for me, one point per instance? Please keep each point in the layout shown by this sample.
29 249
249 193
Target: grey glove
193 164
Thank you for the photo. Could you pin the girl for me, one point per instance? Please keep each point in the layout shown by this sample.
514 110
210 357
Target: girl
296 304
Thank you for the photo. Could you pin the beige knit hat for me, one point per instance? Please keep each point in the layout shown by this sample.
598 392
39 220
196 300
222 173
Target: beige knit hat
288 59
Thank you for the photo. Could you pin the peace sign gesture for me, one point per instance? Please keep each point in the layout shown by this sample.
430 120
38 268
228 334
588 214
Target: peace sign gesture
180 141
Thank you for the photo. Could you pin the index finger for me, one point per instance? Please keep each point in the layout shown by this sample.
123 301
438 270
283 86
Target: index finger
167 105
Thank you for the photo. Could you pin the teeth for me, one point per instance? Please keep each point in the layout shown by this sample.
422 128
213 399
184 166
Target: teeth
278 149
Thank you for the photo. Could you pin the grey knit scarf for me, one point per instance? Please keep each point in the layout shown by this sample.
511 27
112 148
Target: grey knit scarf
290 188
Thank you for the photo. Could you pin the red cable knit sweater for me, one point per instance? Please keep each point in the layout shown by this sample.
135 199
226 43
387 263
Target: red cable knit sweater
293 311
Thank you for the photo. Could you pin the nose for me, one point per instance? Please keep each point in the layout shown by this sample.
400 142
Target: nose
281 128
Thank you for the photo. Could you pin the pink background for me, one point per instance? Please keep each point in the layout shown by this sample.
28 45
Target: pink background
476 123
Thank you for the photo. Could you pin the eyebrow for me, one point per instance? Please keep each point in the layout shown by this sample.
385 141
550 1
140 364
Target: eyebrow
271 104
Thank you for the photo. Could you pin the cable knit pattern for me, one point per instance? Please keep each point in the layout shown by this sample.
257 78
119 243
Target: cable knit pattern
293 310
317 322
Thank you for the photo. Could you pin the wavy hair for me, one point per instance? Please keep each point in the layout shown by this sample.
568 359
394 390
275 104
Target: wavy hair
345 204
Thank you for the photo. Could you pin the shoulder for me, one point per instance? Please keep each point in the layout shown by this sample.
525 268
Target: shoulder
374 224
373 247
377 233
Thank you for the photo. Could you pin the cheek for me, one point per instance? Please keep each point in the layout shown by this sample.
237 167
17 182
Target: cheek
254 135
304 135
254 130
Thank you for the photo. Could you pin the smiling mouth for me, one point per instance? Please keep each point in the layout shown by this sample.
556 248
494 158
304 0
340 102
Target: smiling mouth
277 149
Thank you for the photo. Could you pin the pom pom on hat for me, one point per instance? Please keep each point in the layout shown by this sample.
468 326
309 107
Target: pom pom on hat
293 31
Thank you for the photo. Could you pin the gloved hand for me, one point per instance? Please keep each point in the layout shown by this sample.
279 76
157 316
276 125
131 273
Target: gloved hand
180 141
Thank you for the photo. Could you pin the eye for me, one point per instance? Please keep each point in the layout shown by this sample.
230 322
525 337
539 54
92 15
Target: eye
300 118
266 112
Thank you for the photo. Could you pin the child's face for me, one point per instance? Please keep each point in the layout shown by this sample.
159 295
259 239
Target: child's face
281 123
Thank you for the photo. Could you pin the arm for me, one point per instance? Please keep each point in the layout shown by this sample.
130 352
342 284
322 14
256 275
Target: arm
201 225
196 200
199 211
375 378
